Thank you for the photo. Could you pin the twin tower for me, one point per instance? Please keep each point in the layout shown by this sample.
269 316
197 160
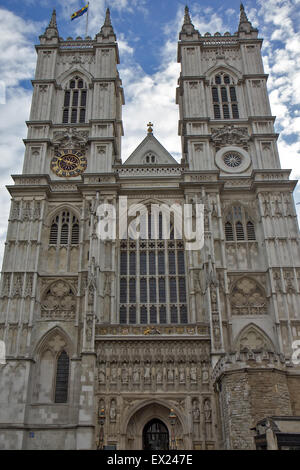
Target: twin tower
140 343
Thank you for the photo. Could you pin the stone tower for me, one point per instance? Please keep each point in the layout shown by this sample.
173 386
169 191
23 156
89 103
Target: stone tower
140 343
229 148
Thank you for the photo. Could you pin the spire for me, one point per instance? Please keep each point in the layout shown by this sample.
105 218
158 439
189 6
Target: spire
52 23
107 30
245 25
187 18
51 31
187 27
107 21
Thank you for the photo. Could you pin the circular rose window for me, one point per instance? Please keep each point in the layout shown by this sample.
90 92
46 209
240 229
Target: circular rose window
232 159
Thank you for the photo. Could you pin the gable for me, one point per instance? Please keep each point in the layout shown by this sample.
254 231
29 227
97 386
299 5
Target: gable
150 152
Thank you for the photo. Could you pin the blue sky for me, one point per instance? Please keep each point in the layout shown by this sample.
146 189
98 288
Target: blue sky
147 33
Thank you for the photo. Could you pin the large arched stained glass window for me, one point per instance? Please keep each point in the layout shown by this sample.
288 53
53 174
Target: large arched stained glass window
153 280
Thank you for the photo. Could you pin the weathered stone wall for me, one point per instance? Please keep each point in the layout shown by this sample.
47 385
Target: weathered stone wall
294 389
249 395
269 394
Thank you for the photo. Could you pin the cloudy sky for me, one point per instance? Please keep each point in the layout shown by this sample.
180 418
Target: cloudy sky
147 33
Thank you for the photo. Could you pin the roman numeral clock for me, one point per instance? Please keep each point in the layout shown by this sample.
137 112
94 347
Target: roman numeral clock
68 163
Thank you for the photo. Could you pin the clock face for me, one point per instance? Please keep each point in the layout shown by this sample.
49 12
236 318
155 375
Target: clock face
68 163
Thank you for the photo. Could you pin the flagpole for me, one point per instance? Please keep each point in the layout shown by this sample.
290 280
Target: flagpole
87 20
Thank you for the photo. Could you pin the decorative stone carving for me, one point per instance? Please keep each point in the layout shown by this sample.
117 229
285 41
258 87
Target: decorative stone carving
277 281
289 282
26 211
252 339
229 135
28 286
15 213
248 298
59 302
17 286
70 138
6 285
113 411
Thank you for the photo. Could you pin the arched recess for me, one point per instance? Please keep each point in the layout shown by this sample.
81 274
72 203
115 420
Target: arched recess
153 268
133 425
52 368
64 78
215 69
248 297
56 210
61 239
58 301
73 96
253 338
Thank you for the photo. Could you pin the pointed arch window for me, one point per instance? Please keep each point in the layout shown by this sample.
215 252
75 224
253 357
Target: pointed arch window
250 231
64 229
75 98
224 91
238 226
152 278
62 378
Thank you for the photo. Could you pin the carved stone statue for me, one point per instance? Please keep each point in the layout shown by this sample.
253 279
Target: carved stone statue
124 374
193 373
159 376
182 375
147 373
113 411
136 375
170 374
196 411
208 418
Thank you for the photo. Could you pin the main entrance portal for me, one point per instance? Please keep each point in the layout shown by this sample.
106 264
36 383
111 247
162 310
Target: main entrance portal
155 436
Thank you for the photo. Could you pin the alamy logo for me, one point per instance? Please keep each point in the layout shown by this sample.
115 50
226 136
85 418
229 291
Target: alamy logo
138 222
296 353
2 353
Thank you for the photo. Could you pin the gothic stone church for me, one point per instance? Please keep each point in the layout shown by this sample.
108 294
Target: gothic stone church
141 344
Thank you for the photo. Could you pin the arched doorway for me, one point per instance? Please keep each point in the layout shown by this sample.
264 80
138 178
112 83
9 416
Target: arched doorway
155 436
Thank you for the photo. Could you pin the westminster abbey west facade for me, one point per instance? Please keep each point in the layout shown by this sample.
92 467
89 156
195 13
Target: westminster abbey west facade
138 344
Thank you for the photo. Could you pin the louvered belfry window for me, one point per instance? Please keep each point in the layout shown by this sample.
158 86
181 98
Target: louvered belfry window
75 98
224 97
62 378
238 226
152 280
64 229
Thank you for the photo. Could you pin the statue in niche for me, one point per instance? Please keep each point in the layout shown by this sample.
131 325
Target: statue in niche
147 373
193 373
124 374
170 374
205 375
136 375
196 411
114 374
208 418
159 376
113 411
182 374
101 376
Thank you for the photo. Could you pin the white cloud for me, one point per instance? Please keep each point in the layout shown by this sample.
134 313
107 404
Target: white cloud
18 57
